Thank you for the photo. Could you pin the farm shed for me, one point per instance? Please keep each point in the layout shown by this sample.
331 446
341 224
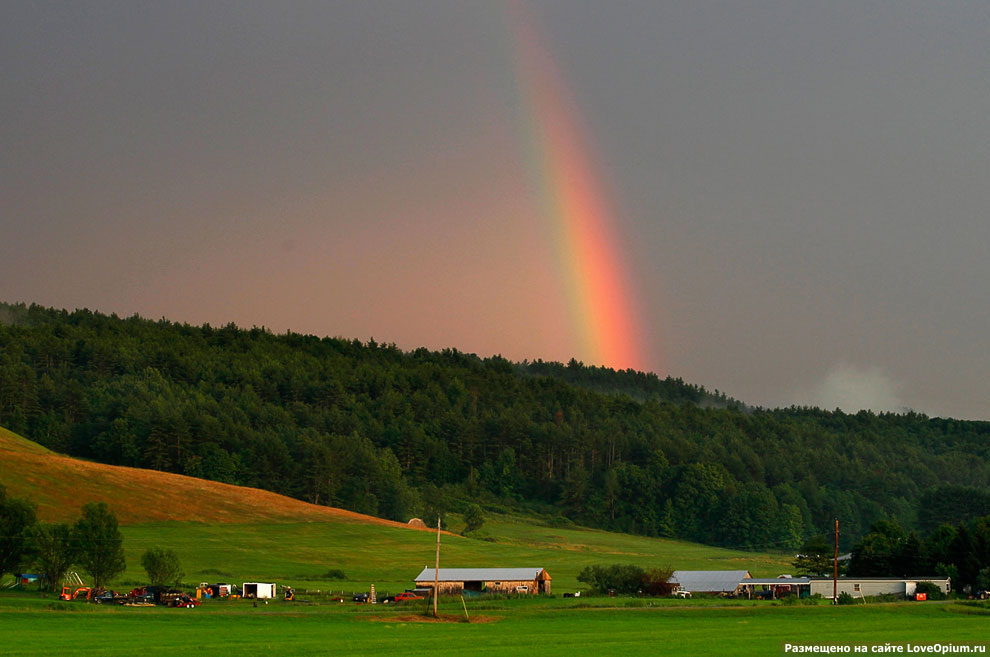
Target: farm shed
258 590
453 581
859 587
724 582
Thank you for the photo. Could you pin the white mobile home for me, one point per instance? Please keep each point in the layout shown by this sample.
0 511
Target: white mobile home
859 587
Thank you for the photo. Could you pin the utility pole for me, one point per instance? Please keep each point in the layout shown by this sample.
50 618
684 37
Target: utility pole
835 575
436 571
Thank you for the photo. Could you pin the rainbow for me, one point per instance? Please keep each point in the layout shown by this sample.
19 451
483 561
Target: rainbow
597 286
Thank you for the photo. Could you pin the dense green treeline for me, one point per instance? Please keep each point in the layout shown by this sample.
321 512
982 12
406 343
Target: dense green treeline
371 428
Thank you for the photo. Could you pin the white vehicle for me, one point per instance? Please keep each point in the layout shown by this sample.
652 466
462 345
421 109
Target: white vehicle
681 593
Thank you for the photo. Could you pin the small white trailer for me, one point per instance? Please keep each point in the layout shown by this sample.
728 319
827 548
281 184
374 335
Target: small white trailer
258 590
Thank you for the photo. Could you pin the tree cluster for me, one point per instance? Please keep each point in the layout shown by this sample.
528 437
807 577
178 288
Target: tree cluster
93 544
627 579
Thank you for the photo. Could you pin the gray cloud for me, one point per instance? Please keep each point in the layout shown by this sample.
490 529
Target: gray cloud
852 388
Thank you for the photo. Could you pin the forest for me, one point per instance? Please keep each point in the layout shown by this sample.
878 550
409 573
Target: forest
372 428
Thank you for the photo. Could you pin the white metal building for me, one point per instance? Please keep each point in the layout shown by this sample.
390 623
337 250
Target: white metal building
724 582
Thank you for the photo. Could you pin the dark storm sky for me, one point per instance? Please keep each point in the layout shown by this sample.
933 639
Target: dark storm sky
800 188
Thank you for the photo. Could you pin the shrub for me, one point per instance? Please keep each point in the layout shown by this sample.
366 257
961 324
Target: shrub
846 599
931 590
656 581
474 517
621 578
558 521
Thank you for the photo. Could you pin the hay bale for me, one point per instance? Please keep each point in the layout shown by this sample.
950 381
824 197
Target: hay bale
417 523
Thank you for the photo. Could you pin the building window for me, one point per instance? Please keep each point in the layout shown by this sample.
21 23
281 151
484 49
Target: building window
856 587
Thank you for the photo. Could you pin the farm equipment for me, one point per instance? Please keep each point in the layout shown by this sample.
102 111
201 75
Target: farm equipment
181 600
153 594
141 595
81 593
106 596
288 594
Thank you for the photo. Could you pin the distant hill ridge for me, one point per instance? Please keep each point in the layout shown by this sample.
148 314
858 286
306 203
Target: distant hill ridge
376 430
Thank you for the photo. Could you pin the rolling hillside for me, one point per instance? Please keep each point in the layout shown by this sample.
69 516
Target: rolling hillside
59 485
231 532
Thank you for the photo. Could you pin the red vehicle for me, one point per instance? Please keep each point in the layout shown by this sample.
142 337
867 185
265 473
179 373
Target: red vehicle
408 595
185 601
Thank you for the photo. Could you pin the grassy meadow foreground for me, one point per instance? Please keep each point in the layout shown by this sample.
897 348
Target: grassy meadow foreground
550 627
227 533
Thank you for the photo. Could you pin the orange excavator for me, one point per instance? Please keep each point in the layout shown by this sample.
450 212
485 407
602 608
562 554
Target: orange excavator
81 593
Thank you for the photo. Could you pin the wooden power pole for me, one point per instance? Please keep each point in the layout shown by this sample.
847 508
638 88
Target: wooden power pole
436 571
835 574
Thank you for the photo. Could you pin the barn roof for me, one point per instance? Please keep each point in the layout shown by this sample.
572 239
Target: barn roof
481 574
709 581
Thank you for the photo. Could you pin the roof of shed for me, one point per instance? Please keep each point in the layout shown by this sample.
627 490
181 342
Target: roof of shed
480 574
775 581
705 581
926 578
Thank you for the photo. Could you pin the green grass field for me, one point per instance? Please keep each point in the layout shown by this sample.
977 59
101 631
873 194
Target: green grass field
300 554
237 535
31 627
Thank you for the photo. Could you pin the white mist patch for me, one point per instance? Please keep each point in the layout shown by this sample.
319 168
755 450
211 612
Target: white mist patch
853 389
